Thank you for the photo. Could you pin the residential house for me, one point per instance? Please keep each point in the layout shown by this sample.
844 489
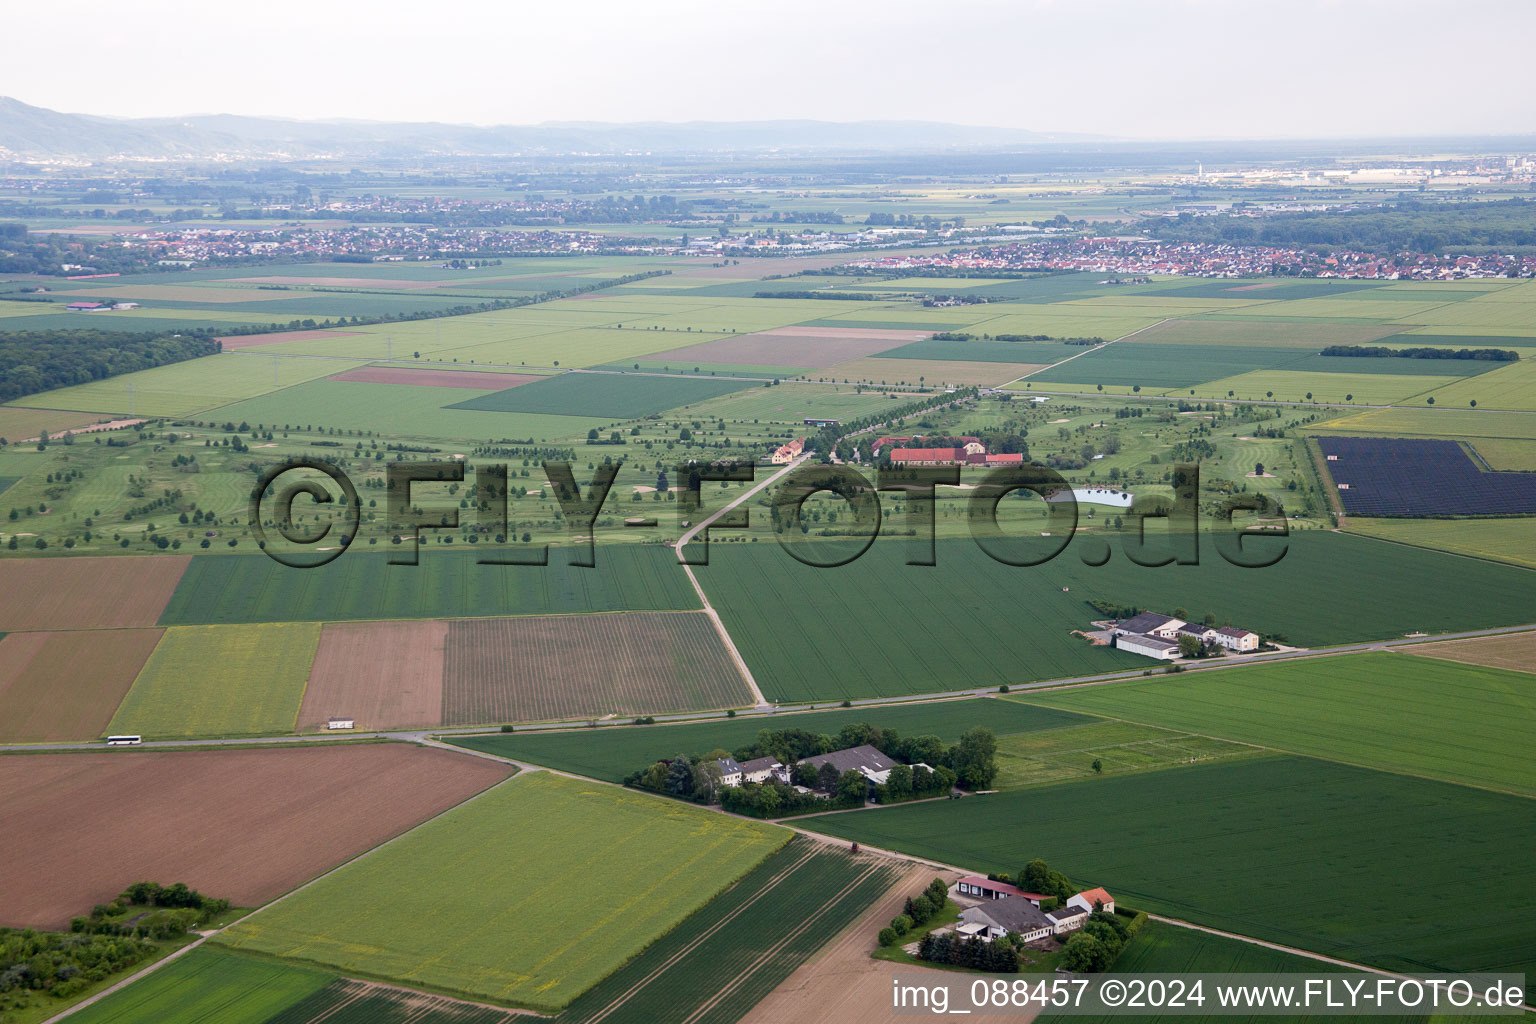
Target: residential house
1237 639
1092 900
788 452
761 769
730 771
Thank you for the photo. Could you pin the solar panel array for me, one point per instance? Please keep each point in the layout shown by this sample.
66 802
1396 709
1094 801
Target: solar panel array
1379 476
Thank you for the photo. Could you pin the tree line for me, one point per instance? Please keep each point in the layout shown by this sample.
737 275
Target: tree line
32 361
1494 355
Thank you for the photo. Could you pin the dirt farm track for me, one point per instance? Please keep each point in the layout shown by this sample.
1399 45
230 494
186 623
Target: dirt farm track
247 825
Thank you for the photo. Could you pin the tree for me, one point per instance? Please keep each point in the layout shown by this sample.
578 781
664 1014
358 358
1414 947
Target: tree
901 923
706 779
1190 647
899 783
852 787
1098 766
680 776
827 779
974 758
1085 954
1258 469
888 936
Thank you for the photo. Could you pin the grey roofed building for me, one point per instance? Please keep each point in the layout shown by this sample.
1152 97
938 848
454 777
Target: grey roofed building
864 759
1146 622
1020 916
760 764
1065 917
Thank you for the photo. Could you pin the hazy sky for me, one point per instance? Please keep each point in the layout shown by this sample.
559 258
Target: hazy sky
1154 68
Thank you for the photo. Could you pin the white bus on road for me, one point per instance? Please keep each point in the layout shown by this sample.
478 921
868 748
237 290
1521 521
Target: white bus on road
124 741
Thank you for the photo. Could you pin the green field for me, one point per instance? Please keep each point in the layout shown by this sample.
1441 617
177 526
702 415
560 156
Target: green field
221 681
1460 723
1322 856
398 409
1336 388
984 623
618 395
181 389
1512 386
208 984
613 753
1168 949
731 953
529 895
446 584
1059 754
1503 539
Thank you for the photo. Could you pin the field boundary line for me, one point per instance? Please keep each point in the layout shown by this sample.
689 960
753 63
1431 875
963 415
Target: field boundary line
1286 751
709 609
729 989
1094 348
142 972
773 883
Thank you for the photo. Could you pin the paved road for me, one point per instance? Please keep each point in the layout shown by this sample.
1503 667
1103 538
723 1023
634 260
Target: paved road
986 690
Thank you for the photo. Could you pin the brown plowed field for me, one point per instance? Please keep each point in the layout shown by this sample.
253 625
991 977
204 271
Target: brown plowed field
1516 652
540 667
248 825
481 381
793 346
255 340
66 685
384 675
86 593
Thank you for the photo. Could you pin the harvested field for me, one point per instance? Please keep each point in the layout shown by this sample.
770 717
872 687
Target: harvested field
65 685
383 675
255 340
247 825
538 668
1516 652
86 593
793 346
476 380
893 371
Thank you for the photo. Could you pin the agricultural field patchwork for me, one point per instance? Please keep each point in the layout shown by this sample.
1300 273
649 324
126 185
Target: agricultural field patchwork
221 681
59 686
1274 862
454 906
306 809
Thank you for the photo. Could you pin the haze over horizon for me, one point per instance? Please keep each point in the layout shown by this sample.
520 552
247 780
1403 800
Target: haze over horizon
1206 69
